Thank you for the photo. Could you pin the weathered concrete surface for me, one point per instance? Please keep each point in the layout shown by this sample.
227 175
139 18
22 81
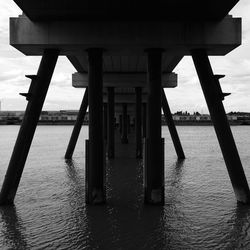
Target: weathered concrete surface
124 80
125 38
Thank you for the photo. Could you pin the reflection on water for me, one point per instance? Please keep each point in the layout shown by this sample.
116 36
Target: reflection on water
13 231
200 210
176 173
124 223
75 207
239 235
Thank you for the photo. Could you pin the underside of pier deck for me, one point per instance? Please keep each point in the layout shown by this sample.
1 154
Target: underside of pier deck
125 60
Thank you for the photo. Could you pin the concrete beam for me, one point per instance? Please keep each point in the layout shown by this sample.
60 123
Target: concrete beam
125 38
124 80
125 98
127 64
126 10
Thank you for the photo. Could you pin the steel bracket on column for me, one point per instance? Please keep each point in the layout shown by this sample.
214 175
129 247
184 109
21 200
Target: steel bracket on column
29 94
221 93
212 93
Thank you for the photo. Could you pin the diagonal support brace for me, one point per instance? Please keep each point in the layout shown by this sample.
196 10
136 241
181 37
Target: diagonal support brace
171 126
28 127
221 125
77 126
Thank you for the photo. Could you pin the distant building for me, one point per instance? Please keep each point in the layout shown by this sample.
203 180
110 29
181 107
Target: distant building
62 115
188 117
70 116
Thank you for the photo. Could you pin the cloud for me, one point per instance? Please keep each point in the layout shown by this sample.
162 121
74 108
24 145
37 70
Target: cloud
187 96
236 67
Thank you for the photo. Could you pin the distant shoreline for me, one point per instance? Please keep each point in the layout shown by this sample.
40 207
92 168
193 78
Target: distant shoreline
177 123
207 123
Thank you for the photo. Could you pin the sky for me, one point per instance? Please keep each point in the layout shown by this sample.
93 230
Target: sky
187 96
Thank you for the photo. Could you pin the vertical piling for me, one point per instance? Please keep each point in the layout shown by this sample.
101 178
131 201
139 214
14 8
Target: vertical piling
77 126
120 124
124 138
138 129
111 124
21 149
214 101
144 119
129 123
95 177
105 122
171 127
154 165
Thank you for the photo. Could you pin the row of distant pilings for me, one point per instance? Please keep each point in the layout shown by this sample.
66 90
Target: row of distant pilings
153 152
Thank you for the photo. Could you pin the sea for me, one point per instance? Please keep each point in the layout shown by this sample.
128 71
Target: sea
200 210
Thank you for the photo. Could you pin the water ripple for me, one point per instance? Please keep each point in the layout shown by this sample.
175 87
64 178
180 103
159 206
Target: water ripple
200 210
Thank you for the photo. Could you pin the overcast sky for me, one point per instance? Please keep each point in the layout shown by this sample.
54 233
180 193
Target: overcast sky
187 96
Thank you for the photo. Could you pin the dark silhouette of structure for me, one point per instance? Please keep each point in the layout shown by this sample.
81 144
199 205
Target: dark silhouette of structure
125 60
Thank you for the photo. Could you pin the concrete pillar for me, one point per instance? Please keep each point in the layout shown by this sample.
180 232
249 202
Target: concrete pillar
214 101
129 123
171 127
154 145
77 126
138 129
120 124
38 91
111 123
124 138
105 121
95 174
144 119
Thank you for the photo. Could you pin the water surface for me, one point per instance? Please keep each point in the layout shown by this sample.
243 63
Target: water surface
200 210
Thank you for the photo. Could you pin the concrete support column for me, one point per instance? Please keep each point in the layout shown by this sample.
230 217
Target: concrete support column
95 172
38 90
105 121
120 124
77 126
171 127
154 146
138 127
214 98
129 123
111 123
124 138
144 119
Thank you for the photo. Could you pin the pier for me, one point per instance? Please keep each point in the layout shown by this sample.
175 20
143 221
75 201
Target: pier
126 63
